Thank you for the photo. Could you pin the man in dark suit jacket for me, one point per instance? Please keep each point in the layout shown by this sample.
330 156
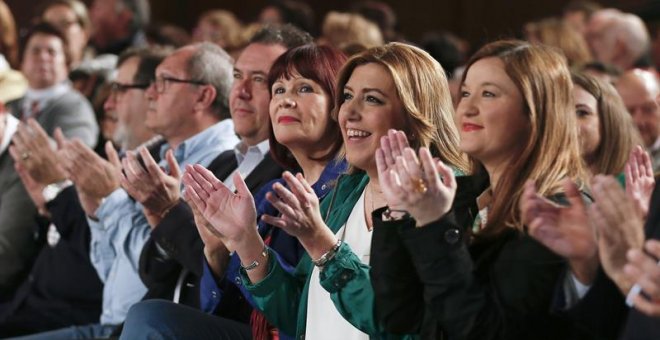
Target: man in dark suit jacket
17 214
171 261
50 99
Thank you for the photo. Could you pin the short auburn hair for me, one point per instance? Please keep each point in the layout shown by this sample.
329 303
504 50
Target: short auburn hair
320 64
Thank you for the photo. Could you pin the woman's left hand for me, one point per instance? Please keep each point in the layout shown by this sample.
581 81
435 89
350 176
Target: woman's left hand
300 214
424 187
639 179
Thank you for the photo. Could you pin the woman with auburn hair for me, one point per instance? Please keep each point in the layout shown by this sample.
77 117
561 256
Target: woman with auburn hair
329 294
451 256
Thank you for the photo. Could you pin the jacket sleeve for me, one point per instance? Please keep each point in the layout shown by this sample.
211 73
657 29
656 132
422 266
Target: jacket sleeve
279 294
177 235
69 218
17 243
398 291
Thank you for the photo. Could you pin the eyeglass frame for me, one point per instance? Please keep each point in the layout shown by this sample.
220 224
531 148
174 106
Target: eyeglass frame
165 79
117 87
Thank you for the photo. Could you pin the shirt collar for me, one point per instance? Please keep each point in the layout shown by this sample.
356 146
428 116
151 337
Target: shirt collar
47 93
241 149
331 172
221 130
11 124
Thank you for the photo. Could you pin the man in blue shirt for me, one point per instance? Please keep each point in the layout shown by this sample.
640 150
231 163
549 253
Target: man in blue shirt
188 107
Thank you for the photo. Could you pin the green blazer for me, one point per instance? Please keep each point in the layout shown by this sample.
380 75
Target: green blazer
282 296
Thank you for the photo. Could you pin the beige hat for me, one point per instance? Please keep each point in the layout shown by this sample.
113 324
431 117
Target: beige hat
12 85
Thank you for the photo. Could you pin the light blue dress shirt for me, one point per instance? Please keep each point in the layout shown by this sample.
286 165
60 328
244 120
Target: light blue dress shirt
121 231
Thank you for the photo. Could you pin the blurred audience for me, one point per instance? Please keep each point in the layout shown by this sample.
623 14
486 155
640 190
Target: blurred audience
72 19
119 24
640 92
349 32
577 14
294 12
50 99
557 33
221 28
618 38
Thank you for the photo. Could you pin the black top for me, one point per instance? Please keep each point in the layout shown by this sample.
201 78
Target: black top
434 282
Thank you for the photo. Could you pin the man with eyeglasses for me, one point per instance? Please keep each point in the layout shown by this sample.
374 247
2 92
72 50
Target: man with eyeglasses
175 242
62 274
187 106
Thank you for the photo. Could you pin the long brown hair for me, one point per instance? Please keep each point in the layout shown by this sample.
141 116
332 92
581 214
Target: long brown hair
552 151
422 87
618 135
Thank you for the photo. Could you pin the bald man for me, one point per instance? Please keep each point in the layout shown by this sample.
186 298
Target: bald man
617 38
640 92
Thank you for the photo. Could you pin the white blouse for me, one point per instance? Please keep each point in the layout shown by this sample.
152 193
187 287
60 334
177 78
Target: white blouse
323 319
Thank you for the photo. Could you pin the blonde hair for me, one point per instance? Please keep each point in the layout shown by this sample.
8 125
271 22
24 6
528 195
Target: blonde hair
343 30
422 87
552 152
618 135
230 28
557 33
78 8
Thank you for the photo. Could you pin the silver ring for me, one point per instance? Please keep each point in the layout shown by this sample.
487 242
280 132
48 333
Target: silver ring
25 155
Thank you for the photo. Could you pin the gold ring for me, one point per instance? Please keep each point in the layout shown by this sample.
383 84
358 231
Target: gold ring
25 155
420 185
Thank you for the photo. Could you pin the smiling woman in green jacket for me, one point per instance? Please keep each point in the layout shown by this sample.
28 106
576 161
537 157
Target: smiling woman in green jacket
329 295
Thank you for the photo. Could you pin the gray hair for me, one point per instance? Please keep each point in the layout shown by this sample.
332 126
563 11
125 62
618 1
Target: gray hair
629 29
210 64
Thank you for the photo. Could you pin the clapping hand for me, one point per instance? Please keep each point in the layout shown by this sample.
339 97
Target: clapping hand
150 185
639 180
232 215
620 227
563 229
32 149
422 186
300 214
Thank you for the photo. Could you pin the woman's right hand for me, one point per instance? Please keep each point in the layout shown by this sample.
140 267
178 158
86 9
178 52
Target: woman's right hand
232 215
424 187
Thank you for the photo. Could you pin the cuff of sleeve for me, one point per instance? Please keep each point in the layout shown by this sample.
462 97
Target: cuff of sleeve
275 275
444 235
210 293
340 270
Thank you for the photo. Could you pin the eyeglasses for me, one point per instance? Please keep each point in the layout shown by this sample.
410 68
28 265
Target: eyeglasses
117 88
161 82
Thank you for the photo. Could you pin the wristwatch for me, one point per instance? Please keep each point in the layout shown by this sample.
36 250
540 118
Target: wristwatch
52 190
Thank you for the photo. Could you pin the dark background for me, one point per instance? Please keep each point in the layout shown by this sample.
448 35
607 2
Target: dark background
475 20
